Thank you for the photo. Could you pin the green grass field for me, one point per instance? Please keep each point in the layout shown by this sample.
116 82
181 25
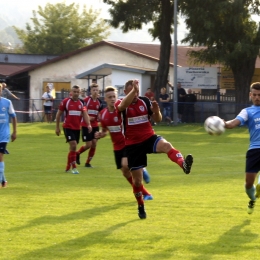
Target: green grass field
49 214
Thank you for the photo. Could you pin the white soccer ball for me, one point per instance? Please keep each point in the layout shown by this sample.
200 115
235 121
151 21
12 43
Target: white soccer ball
214 125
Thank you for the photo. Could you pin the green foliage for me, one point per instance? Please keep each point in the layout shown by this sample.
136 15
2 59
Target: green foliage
52 215
60 28
132 14
228 33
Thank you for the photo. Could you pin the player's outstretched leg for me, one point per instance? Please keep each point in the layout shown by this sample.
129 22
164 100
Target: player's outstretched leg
187 163
146 176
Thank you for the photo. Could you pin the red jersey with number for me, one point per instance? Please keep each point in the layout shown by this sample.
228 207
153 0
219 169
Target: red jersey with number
72 113
137 127
112 121
94 107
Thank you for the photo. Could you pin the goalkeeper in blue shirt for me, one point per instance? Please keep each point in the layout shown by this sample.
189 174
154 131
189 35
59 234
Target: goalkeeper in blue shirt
6 112
250 117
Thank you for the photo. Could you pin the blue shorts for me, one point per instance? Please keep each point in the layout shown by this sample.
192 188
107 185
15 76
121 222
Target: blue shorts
47 109
253 160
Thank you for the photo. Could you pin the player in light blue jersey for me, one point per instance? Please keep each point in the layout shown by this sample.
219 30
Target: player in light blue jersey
250 117
6 112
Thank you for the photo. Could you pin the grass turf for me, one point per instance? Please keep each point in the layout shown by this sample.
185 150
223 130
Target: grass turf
49 214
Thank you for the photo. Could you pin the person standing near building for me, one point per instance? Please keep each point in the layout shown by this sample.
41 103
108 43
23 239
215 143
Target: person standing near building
6 112
111 121
181 94
74 110
149 94
189 108
94 106
6 92
164 99
250 117
136 112
48 103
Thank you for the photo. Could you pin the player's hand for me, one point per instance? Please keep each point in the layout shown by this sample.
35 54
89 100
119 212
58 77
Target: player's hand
136 85
97 135
13 136
155 107
89 128
57 131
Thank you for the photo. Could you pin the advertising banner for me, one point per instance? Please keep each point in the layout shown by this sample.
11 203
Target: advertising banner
198 77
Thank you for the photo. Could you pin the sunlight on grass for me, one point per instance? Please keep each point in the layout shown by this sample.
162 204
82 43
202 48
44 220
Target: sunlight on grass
52 215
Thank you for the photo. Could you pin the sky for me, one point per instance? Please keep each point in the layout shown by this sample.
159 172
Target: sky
140 36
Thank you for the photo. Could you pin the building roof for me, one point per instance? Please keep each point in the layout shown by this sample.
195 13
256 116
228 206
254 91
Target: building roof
148 51
106 69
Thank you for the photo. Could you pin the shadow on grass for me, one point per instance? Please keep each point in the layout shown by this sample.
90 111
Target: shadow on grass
81 246
85 214
234 240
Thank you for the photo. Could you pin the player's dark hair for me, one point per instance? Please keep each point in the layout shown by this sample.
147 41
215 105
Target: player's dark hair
110 88
76 87
128 83
255 85
94 85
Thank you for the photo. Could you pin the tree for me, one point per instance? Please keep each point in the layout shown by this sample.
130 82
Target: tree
61 29
230 37
132 14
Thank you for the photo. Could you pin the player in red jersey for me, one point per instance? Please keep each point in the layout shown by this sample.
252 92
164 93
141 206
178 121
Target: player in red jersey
111 122
94 106
74 110
141 139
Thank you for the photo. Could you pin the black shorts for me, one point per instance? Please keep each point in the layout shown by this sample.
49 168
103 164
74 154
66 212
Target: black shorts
86 136
119 154
71 135
47 109
136 153
3 148
253 160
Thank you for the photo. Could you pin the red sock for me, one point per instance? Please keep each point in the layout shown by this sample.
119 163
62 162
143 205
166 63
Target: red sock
73 155
68 162
82 149
138 194
145 191
91 154
176 156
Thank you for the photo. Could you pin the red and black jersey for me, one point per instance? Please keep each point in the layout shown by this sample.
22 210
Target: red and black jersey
137 127
94 107
112 121
72 113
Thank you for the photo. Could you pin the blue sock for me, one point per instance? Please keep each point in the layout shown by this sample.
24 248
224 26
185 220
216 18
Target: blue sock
2 172
251 193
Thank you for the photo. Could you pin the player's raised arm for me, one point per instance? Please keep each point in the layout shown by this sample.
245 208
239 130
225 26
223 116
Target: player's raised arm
131 91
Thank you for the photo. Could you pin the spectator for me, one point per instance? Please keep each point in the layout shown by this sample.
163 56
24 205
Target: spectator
164 98
189 109
48 103
6 92
181 94
150 94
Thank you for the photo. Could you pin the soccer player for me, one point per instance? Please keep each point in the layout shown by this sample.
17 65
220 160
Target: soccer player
250 117
111 122
94 106
74 110
141 139
6 112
